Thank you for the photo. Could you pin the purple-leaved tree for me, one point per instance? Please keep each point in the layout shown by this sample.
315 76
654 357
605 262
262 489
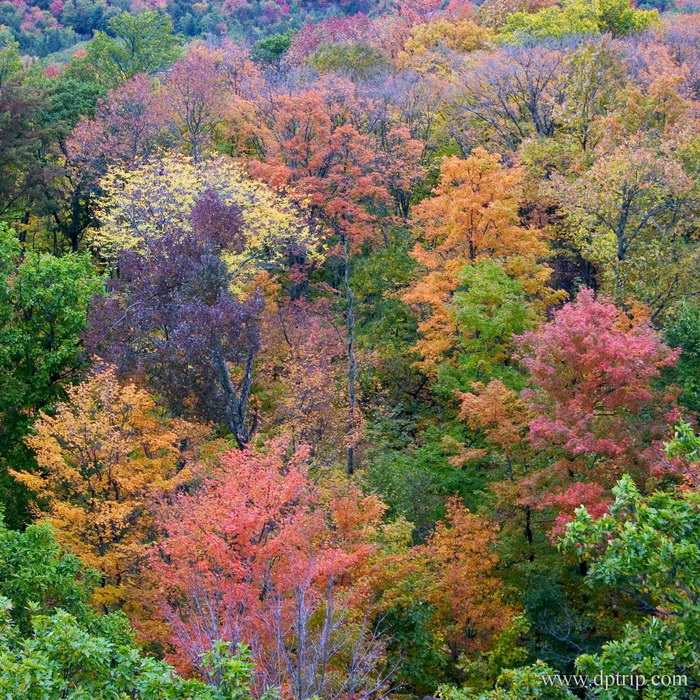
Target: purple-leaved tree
172 321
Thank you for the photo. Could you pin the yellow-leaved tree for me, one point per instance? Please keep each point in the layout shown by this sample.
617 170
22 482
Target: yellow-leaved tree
104 456
157 197
436 46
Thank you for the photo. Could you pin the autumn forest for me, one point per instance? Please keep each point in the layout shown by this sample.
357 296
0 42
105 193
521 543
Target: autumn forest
349 350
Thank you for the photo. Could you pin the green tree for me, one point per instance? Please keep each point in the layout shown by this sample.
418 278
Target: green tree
10 62
50 199
525 683
53 645
143 43
571 17
490 308
684 333
43 310
683 452
35 573
357 60
271 49
648 548
24 138
70 99
595 78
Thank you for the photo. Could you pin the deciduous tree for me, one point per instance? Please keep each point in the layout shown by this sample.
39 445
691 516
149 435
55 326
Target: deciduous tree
573 17
103 457
310 142
647 549
173 318
593 412
142 43
631 216
197 90
508 95
53 644
472 217
262 555
43 311
142 204
468 592
303 370
128 124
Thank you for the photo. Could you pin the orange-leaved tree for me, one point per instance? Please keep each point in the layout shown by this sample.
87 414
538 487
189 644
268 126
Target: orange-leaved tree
467 592
472 216
451 583
103 457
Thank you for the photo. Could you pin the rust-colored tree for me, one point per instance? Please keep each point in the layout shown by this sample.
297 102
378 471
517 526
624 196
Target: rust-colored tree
303 375
263 556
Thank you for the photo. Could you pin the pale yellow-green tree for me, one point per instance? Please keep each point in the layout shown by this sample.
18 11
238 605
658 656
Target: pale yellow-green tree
633 215
579 17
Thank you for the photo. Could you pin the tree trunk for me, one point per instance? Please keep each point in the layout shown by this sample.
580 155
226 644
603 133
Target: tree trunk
237 400
352 362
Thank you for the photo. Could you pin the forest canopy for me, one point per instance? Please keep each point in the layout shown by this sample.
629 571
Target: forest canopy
349 350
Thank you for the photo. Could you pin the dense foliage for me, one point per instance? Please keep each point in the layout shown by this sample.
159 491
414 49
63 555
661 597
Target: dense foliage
52 644
348 350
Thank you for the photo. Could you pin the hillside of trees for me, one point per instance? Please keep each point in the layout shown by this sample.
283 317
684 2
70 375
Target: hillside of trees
53 30
349 352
